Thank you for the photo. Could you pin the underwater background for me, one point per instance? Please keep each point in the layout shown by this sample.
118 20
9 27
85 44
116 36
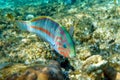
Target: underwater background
25 56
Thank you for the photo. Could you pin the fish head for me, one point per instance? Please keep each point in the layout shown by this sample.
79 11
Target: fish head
64 44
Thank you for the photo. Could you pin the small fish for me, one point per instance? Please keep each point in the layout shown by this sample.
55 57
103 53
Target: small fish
52 32
3 65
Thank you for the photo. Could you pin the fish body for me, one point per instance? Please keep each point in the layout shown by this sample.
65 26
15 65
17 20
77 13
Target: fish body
52 32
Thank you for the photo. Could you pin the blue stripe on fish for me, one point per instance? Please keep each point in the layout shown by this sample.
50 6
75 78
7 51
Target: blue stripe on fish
46 23
52 32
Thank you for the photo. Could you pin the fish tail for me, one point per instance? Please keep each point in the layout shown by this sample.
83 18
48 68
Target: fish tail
23 25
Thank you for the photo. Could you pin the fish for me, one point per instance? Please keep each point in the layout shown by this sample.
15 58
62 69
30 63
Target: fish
52 32
4 65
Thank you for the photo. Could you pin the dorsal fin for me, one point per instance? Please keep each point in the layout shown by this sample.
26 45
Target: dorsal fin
43 17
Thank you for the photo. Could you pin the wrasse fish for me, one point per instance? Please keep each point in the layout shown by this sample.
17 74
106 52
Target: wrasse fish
52 32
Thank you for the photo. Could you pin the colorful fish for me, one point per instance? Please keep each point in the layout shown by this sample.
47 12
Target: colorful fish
52 32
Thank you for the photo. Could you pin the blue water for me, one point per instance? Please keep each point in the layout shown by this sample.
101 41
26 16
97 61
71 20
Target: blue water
15 3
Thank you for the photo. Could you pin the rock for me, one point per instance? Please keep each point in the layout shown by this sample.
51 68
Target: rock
29 16
114 61
84 53
111 74
93 66
50 72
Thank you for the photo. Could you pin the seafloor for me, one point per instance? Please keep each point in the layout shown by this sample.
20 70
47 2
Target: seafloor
24 56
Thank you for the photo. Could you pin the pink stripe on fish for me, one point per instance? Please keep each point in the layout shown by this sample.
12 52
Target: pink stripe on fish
64 53
62 32
43 30
58 39
64 40
58 43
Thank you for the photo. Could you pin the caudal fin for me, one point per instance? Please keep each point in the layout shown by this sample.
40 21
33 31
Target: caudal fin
23 25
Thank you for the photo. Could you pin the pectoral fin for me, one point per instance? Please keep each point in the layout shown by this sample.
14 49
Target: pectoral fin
71 30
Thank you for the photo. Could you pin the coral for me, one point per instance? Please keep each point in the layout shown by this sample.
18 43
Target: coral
94 66
96 36
114 61
84 53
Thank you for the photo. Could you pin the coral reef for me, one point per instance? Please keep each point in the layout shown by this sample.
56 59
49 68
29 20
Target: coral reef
96 35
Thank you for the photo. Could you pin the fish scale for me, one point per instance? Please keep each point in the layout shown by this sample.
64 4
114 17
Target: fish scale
52 32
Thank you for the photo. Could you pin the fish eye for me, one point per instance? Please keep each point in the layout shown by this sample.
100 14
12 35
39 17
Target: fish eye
64 45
